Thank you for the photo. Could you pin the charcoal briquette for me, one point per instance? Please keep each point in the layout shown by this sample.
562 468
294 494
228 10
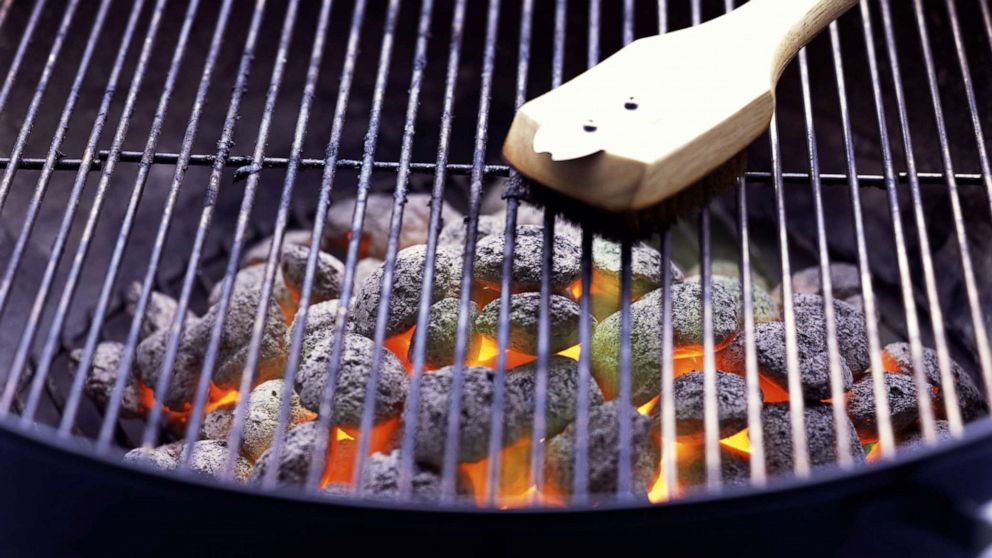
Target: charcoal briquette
972 403
735 468
217 424
561 397
901 394
690 405
262 418
259 252
294 459
102 376
442 330
328 275
845 282
210 456
250 279
524 315
163 458
852 340
159 312
821 437
645 273
381 479
603 457
527 269
353 374
150 355
912 440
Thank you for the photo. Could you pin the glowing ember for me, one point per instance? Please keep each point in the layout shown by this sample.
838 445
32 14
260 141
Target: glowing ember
646 408
488 351
515 488
339 466
399 344
572 352
739 442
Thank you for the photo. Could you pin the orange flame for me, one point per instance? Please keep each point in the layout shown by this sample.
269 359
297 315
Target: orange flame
515 489
339 466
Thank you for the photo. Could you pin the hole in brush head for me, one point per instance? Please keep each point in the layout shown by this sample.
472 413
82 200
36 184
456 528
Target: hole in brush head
630 104
589 126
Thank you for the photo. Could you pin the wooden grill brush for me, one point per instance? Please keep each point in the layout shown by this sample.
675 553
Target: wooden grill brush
656 130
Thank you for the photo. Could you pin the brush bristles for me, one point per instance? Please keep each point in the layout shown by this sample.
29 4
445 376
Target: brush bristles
641 223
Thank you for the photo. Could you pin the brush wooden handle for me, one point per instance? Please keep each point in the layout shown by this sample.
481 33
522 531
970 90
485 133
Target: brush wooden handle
664 111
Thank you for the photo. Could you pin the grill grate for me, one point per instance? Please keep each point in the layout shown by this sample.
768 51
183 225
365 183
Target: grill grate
934 286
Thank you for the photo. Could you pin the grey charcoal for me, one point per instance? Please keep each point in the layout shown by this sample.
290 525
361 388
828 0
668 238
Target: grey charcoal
904 410
99 383
408 279
475 418
210 456
161 458
442 330
381 479
561 396
353 374
973 405
259 252
527 269
293 460
262 418
453 233
735 468
690 405
217 424
603 457
646 322
769 342
913 440
237 332
319 330
821 437
328 274
364 268
251 278
851 337
645 273
159 312
150 356
524 314
376 227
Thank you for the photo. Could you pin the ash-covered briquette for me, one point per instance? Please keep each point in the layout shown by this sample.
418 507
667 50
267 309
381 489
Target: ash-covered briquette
150 354
562 393
294 459
164 457
973 404
259 252
365 268
328 274
454 232
475 418
645 273
524 318
102 377
912 440
210 456
320 328
904 409
250 278
646 322
690 405
442 333
353 374
604 449
821 436
845 283
217 424
764 307
263 418
237 332
381 479
527 260
735 468
159 312
404 300
375 228
851 337
769 344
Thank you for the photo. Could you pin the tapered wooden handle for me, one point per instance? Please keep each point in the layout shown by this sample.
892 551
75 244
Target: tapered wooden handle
791 24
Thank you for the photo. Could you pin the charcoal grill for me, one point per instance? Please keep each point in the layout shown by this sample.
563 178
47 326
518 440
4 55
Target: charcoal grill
876 156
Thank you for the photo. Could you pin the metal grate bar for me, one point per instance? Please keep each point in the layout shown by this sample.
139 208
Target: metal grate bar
395 225
797 421
967 267
325 420
886 438
278 235
34 206
842 430
902 259
22 47
451 440
981 338
39 92
929 277
410 413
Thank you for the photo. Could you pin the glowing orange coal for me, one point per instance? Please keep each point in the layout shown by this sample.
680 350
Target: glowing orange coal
515 488
217 398
399 344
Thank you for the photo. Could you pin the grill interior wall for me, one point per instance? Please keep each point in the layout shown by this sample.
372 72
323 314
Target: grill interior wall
761 209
